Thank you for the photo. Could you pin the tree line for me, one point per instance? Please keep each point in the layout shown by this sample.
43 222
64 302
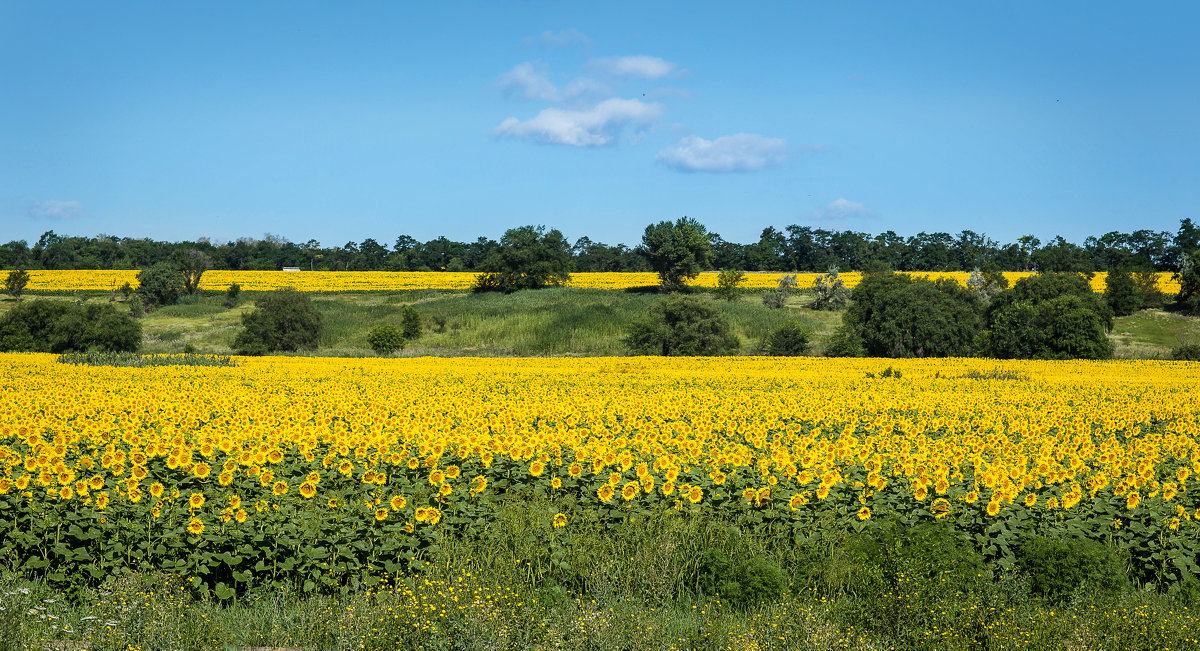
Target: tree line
795 248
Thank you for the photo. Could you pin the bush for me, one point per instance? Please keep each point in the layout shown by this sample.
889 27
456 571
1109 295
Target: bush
788 340
160 285
1049 316
1122 292
16 282
682 325
830 292
902 316
233 295
1147 282
741 583
58 327
385 338
284 320
777 298
987 282
728 282
1057 568
1186 353
410 323
844 342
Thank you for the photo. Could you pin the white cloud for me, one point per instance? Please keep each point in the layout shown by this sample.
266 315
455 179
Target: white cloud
527 82
840 209
741 152
642 66
598 125
54 209
564 38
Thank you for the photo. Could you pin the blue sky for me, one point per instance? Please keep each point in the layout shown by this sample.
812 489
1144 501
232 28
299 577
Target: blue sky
342 121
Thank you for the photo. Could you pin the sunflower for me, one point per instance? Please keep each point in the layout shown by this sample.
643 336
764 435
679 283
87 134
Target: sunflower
307 490
240 516
332 503
971 497
102 501
437 477
195 526
380 514
695 494
279 488
864 513
96 482
993 507
940 507
797 501
614 478
346 468
1031 500
668 487
605 493
134 495
433 516
536 469
196 501
235 502
225 478
202 470
313 478
421 513
1133 500
575 470
748 495
1172 526
445 489
560 520
630 490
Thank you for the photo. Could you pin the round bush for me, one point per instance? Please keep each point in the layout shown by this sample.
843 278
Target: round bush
788 340
385 338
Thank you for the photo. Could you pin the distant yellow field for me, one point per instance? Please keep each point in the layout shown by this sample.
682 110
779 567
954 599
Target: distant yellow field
384 281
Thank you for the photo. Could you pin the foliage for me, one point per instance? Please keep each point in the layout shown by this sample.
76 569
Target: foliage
233 295
1057 567
193 264
410 323
528 257
728 282
1187 352
743 581
830 292
1049 316
1122 292
777 298
133 360
845 342
901 316
284 320
1188 276
676 251
160 285
16 282
788 340
385 339
682 325
1147 282
987 282
57 326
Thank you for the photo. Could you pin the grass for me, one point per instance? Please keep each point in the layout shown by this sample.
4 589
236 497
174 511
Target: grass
559 321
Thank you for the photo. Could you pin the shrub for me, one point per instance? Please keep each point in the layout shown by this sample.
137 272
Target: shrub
1147 282
160 285
987 282
844 342
1188 276
1057 568
901 316
728 282
385 338
777 298
57 327
682 325
410 323
1188 352
192 265
1049 316
527 258
830 292
788 340
741 583
283 320
233 295
16 282
1122 292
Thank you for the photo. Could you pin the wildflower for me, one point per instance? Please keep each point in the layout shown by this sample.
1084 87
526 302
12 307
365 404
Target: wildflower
559 521
195 526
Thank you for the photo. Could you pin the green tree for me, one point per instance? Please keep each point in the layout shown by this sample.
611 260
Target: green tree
1122 292
283 320
529 257
676 251
728 282
986 282
1188 276
788 340
385 338
777 298
193 263
58 327
160 285
830 292
682 325
1049 316
16 282
901 316
410 323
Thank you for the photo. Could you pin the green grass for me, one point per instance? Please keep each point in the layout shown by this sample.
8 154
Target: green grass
1152 334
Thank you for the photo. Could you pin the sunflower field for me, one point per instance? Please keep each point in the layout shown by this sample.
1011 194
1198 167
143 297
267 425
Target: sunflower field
327 475
374 281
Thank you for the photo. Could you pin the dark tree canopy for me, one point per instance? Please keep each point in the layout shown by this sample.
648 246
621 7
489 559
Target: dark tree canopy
283 320
528 257
677 251
1049 316
901 316
58 326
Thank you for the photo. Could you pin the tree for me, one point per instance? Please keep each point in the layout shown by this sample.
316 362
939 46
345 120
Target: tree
1049 316
987 282
283 320
16 282
902 316
385 338
1188 276
159 285
528 257
193 263
777 298
788 340
682 325
676 251
410 323
58 327
830 292
1122 292
727 284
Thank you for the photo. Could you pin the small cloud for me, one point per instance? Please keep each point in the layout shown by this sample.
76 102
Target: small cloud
527 82
840 209
741 152
564 38
54 210
599 125
645 67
